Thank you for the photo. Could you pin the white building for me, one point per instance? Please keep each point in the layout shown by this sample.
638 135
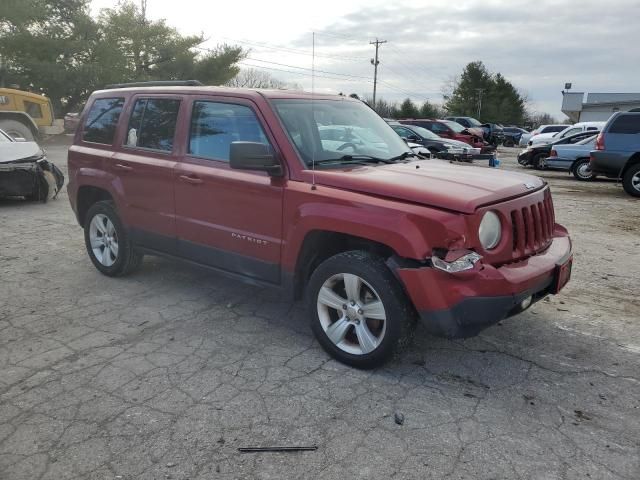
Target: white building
597 106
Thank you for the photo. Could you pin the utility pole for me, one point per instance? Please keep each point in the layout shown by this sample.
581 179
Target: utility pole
479 90
375 62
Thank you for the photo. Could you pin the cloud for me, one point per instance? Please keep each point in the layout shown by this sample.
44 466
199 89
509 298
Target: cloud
537 45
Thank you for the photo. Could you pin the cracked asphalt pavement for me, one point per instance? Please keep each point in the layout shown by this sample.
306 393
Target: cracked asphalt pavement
166 373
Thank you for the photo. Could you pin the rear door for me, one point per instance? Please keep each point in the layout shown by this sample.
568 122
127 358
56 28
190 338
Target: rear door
145 164
228 219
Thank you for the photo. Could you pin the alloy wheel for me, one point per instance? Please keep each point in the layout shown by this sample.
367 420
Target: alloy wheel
104 240
351 314
635 181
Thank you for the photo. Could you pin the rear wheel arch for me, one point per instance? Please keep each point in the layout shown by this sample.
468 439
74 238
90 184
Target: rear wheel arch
88 195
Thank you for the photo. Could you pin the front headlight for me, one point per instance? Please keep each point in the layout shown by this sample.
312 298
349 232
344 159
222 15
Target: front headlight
490 230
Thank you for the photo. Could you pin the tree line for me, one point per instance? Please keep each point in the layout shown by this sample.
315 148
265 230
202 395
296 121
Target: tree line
477 93
56 48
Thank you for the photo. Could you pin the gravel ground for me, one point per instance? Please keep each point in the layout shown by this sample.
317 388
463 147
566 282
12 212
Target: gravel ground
166 373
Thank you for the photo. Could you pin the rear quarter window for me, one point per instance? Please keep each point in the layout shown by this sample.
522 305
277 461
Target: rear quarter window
629 124
102 120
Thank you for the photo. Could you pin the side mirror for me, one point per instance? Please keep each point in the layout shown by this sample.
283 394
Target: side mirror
413 138
254 156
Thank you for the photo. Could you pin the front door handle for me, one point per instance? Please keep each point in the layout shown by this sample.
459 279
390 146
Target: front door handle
191 180
125 168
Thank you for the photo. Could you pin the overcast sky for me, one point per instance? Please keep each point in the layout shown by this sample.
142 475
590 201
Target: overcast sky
537 45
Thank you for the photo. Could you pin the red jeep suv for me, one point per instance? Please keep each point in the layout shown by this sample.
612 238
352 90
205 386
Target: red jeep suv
318 196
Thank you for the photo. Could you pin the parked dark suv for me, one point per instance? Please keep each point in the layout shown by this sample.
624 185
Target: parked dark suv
617 153
243 182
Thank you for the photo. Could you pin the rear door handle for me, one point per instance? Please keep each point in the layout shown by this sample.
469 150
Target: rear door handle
191 180
125 168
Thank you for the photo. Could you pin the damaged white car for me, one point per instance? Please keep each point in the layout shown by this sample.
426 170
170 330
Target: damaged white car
26 172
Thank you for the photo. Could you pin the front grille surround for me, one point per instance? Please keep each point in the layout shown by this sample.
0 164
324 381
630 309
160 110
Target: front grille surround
528 224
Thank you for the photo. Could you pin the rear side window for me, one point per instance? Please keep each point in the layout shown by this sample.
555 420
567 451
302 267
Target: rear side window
102 120
33 109
214 126
153 124
629 124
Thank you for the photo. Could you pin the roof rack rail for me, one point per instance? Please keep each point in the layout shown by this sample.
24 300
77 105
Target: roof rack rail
158 83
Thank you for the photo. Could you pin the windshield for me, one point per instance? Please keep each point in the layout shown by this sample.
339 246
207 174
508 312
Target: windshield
325 130
456 127
424 133
4 137
473 122
587 140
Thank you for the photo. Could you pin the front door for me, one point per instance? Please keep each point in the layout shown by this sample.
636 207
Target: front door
145 166
225 218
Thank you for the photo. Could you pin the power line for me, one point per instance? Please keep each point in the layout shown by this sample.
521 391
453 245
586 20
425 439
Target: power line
295 51
304 68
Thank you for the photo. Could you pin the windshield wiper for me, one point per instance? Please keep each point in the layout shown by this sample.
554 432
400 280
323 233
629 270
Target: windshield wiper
402 156
354 159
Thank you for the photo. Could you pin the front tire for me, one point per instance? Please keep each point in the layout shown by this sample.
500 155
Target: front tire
539 162
631 180
359 313
108 243
582 171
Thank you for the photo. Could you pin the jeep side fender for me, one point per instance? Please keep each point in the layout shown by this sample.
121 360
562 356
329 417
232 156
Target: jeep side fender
410 232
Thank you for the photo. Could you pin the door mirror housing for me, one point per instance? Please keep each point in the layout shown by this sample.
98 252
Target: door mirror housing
413 138
254 156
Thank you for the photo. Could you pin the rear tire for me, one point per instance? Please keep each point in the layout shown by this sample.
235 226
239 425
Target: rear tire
108 243
631 180
508 143
16 129
359 312
581 171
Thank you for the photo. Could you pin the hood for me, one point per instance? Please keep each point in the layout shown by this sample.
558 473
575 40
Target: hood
16 151
436 183
477 131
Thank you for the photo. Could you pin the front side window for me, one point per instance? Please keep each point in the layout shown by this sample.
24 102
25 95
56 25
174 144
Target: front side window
571 131
335 131
424 133
102 120
215 125
33 109
402 131
153 124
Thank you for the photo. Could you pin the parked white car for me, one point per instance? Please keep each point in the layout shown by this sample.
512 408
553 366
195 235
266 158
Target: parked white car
524 139
543 138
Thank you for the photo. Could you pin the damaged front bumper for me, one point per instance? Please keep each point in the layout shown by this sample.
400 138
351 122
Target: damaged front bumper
34 179
462 304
